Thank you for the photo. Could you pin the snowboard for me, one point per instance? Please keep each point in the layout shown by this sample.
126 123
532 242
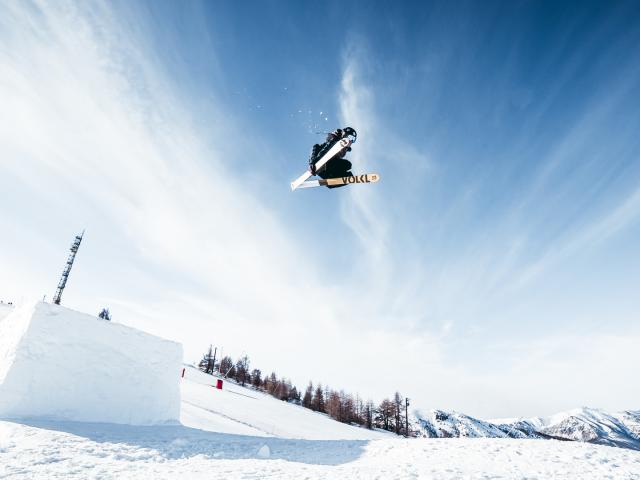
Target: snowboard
343 143
366 178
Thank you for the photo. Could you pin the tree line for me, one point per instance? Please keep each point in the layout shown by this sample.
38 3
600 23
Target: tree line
344 407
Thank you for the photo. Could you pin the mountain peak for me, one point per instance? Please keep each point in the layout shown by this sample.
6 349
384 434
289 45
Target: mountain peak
584 424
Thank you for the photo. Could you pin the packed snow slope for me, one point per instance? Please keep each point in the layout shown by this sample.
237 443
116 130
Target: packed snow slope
60 364
240 433
246 411
621 429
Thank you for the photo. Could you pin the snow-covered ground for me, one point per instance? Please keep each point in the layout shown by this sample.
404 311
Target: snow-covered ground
245 411
40 450
241 433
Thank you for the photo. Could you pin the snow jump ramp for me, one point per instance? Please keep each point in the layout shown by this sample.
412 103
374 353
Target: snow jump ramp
59 364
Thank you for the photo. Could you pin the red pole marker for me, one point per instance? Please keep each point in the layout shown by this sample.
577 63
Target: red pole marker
219 384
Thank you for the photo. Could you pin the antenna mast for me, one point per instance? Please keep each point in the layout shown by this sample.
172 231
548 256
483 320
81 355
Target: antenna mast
67 268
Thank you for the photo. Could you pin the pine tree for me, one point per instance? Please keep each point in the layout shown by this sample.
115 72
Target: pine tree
384 415
272 385
294 395
226 367
333 405
397 411
348 408
266 384
256 378
308 396
206 364
242 370
359 416
369 410
278 389
317 403
283 389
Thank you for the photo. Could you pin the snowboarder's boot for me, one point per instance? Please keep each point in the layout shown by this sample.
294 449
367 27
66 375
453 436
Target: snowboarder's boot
336 168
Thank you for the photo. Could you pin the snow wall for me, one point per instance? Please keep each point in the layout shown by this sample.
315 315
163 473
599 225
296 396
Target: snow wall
5 310
60 364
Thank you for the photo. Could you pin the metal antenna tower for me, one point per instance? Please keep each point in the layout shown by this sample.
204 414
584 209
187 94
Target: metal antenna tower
67 268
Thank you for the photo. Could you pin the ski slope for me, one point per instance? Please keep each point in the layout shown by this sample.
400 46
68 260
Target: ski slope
245 411
240 433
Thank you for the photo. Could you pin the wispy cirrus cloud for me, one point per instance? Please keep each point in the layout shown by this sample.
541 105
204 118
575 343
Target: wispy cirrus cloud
93 135
466 293
96 131
364 212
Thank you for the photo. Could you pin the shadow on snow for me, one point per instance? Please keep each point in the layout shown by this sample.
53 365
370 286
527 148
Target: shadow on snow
177 441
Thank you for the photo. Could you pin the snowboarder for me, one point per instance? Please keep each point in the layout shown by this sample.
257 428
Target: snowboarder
337 166
328 162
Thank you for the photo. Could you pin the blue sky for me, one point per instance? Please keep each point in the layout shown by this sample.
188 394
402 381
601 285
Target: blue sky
493 270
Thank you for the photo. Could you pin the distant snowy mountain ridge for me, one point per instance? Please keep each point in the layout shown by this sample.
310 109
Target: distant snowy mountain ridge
590 425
